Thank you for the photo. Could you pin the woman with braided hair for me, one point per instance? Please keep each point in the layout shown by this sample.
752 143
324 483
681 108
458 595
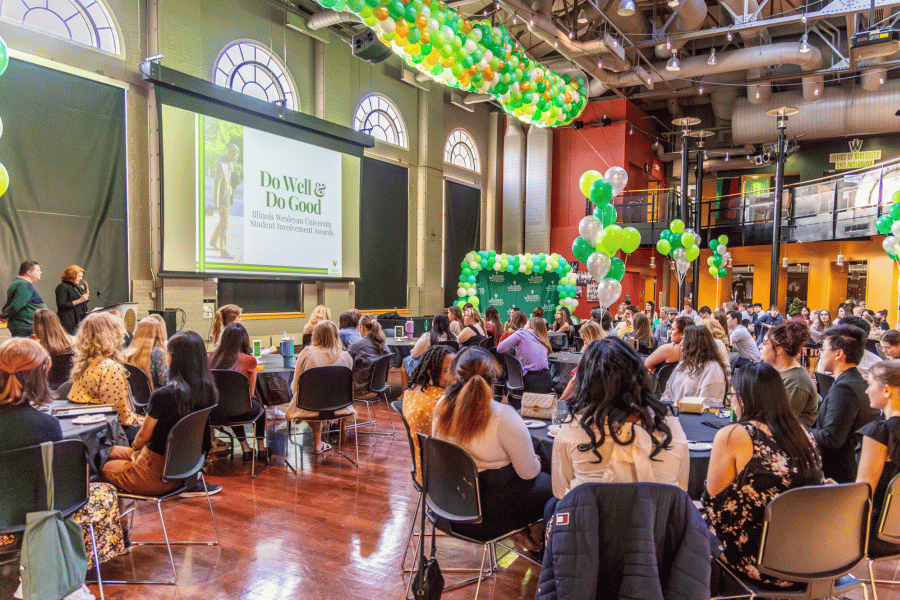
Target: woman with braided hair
617 432
426 386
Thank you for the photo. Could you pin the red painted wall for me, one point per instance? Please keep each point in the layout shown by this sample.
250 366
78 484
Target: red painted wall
626 142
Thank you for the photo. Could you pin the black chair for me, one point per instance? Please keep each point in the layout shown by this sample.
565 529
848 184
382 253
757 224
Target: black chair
824 383
378 390
60 367
184 460
397 405
234 402
834 521
324 394
487 343
874 346
450 479
25 489
515 381
661 377
451 343
307 338
140 388
887 530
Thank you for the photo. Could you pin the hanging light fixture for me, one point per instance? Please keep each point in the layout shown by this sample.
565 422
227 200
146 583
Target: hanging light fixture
727 157
626 8
804 43
730 35
571 34
673 3
712 57
582 18
668 44
652 261
599 63
673 64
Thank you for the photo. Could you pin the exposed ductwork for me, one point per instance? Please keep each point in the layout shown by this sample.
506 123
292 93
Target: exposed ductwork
841 113
327 18
690 17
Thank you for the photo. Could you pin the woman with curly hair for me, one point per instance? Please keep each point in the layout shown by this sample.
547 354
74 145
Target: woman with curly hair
319 314
98 376
701 371
147 350
617 432
49 332
426 386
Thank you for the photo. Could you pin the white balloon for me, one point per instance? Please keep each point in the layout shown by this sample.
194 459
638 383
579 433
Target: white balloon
496 266
688 230
895 228
469 257
522 268
618 178
598 265
470 46
1 127
590 228
470 292
608 291
473 265
461 292
681 266
679 254
573 303
722 249
891 245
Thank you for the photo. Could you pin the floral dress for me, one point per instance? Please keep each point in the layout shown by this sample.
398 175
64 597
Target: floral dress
735 515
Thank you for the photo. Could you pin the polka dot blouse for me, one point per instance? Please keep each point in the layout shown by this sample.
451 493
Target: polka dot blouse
105 382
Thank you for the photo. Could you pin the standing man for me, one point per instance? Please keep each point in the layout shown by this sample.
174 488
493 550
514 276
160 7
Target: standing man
846 406
771 318
22 300
223 197
755 313
741 339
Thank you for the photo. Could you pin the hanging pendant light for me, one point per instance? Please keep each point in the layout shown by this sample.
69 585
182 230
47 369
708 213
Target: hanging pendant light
673 3
673 64
804 44
626 8
582 18
712 57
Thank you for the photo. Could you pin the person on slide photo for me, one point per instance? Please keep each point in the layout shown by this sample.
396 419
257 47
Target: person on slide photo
223 197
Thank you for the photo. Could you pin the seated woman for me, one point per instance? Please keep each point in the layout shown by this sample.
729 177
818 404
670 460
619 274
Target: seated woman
820 326
225 316
147 350
532 347
701 371
234 354
440 332
591 331
509 472
426 386
324 350
49 333
517 320
642 332
348 332
492 325
780 349
473 330
319 314
23 387
890 343
670 353
456 318
562 321
138 469
762 455
618 432
720 339
97 374
365 352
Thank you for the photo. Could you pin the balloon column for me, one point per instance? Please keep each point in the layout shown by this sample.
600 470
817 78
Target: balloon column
477 261
680 245
889 225
718 262
4 61
601 238
436 39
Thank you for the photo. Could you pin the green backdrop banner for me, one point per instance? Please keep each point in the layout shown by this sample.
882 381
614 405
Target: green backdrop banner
504 290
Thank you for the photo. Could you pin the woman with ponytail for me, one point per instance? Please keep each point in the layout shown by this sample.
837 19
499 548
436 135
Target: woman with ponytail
880 459
364 353
225 316
512 487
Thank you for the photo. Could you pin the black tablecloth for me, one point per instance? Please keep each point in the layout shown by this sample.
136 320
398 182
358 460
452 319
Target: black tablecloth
273 383
693 429
98 438
558 340
401 348
561 365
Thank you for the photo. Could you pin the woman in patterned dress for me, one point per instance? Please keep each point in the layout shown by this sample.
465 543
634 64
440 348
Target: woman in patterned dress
762 455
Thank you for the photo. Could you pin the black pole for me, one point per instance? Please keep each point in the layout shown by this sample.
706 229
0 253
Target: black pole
776 213
697 222
683 209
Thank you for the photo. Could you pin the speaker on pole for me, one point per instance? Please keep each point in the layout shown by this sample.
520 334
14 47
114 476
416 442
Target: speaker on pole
368 47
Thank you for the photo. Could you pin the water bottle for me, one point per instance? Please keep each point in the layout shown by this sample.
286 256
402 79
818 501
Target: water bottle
410 328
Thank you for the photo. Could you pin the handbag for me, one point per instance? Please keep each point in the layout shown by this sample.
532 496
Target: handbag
538 406
54 559
428 582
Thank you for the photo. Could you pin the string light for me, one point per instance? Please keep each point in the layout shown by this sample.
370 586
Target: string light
632 130
701 90
712 57
668 44
757 92
881 80
727 157
730 35
531 20
804 44
556 43
817 91
599 63
571 34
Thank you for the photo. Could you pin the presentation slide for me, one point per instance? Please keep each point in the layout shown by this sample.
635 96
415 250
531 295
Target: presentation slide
261 204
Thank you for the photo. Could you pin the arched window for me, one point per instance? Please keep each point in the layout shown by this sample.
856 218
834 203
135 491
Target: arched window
249 68
377 116
87 22
460 150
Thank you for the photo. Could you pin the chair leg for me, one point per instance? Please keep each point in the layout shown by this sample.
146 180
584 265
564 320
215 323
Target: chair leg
97 560
412 531
168 544
390 410
480 577
355 440
211 512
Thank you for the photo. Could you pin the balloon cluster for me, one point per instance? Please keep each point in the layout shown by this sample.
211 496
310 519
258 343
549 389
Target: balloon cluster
600 238
475 262
718 262
436 39
4 62
889 225
681 245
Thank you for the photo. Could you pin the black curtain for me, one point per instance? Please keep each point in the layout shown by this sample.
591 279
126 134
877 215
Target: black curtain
63 145
260 296
461 230
383 229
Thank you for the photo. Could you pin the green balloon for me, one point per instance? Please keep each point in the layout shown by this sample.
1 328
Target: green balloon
675 240
396 9
631 239
895 198
601 190
713 244
723 239
895 211
677 226
709 261
723 272
663 247
883 224
688 239
610 240
607 215
616 269
717 260
665 235
692 252
714 271
894 257
582 249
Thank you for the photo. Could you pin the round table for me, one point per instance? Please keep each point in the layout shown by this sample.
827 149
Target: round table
558 339
273 383
694 429
401 347
96 436
561 365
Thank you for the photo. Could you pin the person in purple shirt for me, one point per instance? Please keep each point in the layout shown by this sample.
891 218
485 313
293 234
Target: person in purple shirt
531 346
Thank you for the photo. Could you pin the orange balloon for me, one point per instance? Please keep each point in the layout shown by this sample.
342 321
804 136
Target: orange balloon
421 22
501 66
381 13
568 98
548 96
539 77
432 58
466 26
488 74
441 5
425 39
465 80
472 70
402 28
447 62
525 86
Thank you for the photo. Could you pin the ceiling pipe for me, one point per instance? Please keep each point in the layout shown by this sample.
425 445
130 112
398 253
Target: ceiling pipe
476 98
734 153
327 18
842 113
750 37
758 93
690 17
872 79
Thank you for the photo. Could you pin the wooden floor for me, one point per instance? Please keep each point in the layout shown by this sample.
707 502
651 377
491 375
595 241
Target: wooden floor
330 532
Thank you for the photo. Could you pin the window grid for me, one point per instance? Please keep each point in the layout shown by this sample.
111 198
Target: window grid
250 69
86 22
461 151
378 117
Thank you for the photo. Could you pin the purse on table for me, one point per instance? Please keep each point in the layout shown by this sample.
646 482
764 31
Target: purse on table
538 406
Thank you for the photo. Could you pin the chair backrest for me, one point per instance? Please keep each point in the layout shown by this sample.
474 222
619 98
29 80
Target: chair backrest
140 387
60 367
323 389
379 381
501 363
834 520
661 377
451 343
451 481
487 343
234 395
397 405
24 488
515 378
307 338
874 346
889 527
824 383
184 447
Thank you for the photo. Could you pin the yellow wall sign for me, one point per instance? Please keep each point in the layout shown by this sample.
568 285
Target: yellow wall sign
855 159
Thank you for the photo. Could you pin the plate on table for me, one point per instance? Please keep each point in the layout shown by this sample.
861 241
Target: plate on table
699 446
88 419
553 430
534 424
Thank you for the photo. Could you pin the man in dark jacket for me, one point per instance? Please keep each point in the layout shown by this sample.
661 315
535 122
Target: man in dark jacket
846 406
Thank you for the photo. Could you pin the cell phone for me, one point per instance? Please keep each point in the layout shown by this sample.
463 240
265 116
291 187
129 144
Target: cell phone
257 348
